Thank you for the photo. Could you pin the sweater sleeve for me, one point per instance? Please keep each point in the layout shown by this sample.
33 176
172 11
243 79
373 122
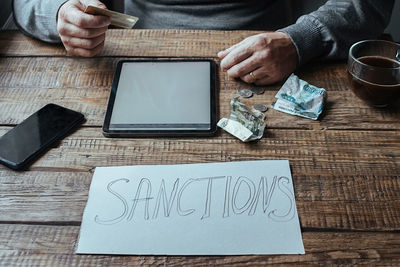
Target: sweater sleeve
38 18
331 30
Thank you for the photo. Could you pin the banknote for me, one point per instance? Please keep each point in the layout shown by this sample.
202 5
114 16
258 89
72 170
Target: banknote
235 128
117 19
297 97
245 123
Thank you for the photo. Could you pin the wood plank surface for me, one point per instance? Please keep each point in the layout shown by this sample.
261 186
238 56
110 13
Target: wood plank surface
345 167
333 202
60 73
134 43
44 245
310 152
333 190
30 83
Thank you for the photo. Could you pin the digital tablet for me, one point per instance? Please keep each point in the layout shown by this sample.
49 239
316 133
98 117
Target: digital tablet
162 98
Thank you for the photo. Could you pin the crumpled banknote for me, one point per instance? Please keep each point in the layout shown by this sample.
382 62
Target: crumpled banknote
297 97
245 123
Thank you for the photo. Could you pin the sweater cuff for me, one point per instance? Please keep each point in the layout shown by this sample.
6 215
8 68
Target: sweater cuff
38 20
306 35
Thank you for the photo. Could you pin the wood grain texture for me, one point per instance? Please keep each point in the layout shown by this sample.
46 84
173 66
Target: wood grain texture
310 152
134 43
345 167
333 190
59 72
14 43
333 202
30 83
30 245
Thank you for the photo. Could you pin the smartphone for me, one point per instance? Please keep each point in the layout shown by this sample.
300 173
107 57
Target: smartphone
28 140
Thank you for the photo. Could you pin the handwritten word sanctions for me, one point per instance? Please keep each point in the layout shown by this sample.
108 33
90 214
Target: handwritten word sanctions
222 196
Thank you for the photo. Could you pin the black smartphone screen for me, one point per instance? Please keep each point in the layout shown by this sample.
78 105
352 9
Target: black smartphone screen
27 140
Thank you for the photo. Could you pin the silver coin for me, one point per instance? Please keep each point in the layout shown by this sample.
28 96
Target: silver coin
261 107
258 90
245 93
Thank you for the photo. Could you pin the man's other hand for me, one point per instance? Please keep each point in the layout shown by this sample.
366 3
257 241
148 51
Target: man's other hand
82 34
260 59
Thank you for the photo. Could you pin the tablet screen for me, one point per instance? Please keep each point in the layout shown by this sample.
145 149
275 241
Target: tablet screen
162 97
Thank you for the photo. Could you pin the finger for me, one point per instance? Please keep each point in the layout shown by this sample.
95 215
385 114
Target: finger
85 52
82 20
83 43
236 56
254 75
243 68
67 29
86 3
223 53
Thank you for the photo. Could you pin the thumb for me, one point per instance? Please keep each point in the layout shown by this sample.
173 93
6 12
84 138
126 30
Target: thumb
96 3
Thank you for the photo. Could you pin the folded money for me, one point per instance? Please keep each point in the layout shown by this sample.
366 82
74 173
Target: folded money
116 18
244 123
297 97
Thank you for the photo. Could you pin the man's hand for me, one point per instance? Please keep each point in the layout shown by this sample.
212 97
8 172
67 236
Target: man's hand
260 59
82 34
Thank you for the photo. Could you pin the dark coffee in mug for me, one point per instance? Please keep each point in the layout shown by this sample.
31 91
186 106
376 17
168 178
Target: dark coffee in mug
376 83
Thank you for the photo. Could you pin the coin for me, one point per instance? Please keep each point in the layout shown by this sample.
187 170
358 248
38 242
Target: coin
261 107
245 93
258 90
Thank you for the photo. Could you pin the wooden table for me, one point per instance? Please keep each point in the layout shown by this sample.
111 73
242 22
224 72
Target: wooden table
345 167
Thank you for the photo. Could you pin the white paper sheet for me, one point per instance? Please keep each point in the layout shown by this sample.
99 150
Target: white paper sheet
230 208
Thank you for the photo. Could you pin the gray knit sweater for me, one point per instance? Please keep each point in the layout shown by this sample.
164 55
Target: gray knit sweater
325 33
